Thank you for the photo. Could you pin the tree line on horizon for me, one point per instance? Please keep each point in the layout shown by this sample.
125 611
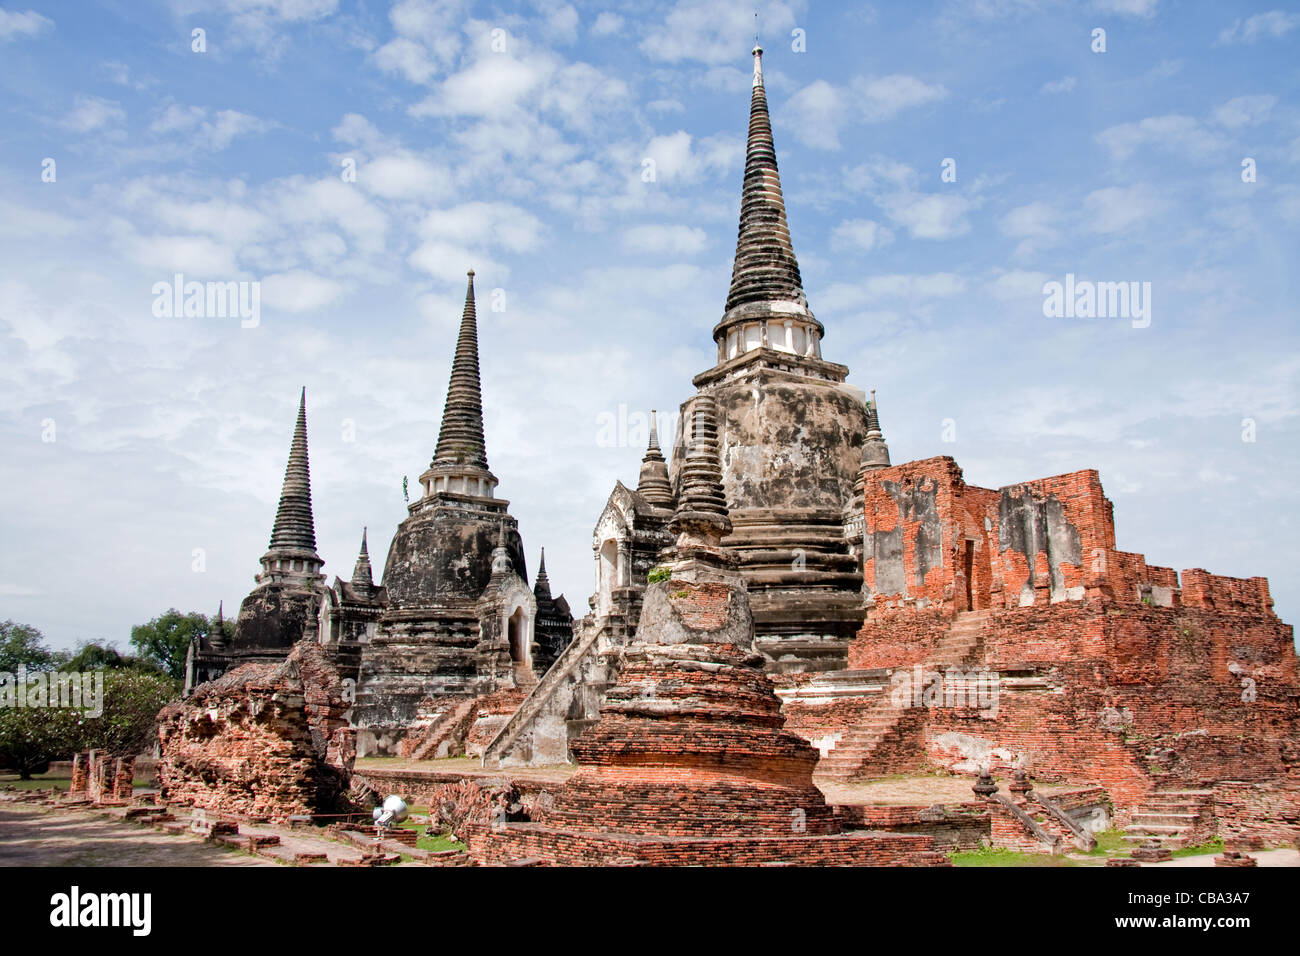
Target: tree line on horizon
136 686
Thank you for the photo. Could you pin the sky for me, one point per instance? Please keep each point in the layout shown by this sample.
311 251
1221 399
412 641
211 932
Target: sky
942 163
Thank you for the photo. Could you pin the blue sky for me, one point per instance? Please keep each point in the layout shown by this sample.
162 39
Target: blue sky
526 163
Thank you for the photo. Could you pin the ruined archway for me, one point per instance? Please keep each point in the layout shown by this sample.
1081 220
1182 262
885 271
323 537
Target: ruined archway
608 561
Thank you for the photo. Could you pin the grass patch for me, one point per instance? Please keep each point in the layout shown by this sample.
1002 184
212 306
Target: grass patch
41 782
434 844
1212 846
1109 843
439 844
996 856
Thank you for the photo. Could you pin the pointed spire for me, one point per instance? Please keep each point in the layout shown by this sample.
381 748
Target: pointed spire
542 586
217 639
765 268
501 563
701 519
653 484
460 441
294 528
875 453
362 575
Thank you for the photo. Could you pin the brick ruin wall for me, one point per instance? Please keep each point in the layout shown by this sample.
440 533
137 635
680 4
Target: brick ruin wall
1133 697
935 541
1112 670
264 740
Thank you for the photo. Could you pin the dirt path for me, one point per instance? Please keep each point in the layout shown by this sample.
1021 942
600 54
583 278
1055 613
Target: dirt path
36 836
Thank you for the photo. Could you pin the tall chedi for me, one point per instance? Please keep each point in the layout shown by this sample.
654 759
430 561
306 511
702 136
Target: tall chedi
790 432
281 609
459 616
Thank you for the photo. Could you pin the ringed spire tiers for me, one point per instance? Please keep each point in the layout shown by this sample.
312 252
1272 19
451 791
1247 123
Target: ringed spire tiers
766 306
293 536
459 464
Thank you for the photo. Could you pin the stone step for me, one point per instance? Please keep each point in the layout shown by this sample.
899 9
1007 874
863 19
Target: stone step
1155 829
1168 841
1175 806
1141 817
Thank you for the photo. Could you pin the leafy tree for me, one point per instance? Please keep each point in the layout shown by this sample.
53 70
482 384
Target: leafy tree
94 656
22 644
30 737
132 699
166 639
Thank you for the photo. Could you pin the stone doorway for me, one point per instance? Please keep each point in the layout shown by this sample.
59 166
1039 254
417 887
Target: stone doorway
608 574
520 658
968 570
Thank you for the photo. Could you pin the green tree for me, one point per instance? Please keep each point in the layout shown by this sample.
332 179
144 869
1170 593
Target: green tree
166 639
94 656
25 645
30 737
132 699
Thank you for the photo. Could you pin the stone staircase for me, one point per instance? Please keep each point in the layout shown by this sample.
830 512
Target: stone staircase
1174 819
856 749
547 694
445 729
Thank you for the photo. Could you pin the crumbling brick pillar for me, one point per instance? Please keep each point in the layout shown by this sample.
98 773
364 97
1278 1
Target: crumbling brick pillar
80 776
124 778
97 785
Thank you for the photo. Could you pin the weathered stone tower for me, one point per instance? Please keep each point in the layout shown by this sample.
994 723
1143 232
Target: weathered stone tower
349 615
790 430
459 618
281 608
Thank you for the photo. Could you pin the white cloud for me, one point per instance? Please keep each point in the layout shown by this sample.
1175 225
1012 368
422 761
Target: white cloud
607 24
90 113
1145 9
298 291
1019 284
679 156
713 31
1119 208
204 129
405 56
853 295
428 38
28 24
861 235
817 113
930 215
1183 134
1064 85
485 223
404 176
665 239
1271 25
1034 224
1244 111
199 257
884 97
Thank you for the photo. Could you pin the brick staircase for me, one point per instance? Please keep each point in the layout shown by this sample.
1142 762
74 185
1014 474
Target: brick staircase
857 747
961 642
1174 819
